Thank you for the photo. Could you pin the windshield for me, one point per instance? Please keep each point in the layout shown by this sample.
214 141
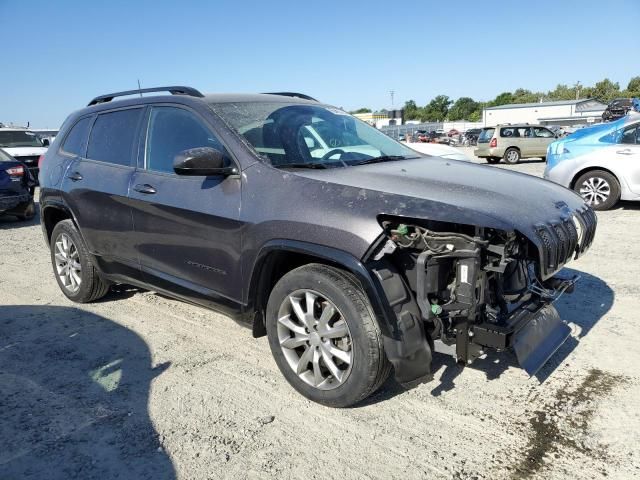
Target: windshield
485 135
18 138
305 134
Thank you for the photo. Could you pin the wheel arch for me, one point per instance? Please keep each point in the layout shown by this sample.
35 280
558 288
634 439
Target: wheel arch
591 169
277 257
52 214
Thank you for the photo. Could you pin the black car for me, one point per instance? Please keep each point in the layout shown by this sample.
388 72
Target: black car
16 188
354 254
617 108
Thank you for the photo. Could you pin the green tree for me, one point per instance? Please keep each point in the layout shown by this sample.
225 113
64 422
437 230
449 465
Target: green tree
504 98
411 110
522 95
437 109
462 109
633 88
563 92
606 90
361 110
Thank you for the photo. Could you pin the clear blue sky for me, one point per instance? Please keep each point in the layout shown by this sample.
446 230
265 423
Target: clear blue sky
57 55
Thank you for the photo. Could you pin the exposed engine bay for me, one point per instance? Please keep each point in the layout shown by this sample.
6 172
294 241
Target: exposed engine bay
476 289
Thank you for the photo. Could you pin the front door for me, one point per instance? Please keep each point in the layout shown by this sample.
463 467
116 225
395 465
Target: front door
627 154
187 228
542 137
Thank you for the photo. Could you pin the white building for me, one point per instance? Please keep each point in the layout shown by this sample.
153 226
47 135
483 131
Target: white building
564 113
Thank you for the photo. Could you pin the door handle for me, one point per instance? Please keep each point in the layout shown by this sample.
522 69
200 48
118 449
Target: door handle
144 188
75 176
626 151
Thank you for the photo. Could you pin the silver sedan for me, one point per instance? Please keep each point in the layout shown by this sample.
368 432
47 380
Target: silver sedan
601 163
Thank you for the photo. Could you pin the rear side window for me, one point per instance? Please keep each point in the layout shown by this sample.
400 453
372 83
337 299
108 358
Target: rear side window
112 136
485 135
172 130
517 132
77 137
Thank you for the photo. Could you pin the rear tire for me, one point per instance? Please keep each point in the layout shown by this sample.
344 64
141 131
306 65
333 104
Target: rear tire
600 189
73 267
310 374
511 156
493 160
29 212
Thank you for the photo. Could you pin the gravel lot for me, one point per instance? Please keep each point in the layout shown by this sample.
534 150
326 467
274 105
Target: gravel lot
141 386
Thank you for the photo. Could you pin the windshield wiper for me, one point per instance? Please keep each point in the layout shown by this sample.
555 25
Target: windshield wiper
302 165
383 158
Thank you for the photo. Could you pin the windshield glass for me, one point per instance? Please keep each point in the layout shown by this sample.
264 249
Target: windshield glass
19 138
301 134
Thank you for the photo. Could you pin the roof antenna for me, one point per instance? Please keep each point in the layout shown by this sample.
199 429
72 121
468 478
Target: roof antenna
139 89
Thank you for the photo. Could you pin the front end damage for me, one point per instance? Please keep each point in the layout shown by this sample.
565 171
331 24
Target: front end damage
462 290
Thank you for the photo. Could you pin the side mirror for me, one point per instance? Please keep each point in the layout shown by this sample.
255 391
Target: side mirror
204 161
45 142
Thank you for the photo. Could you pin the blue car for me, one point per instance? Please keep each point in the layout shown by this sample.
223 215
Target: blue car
601 163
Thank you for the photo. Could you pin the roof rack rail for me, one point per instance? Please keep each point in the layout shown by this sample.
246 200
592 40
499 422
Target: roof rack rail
292 94
175 90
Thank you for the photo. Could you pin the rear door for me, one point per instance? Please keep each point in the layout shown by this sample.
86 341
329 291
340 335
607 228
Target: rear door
188 233
96 187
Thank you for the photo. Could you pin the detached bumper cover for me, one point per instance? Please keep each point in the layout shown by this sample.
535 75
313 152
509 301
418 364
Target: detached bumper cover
539 339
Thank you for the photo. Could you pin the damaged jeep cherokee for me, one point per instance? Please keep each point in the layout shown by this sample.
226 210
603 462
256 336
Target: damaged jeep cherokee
354 254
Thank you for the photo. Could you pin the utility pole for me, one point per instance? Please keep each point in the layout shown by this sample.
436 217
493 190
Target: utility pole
392 93
577 87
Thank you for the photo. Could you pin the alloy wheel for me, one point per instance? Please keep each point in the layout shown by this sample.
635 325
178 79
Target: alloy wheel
595 190
67 261
315 339
512 156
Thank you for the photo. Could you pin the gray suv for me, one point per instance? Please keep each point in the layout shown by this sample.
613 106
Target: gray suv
354 254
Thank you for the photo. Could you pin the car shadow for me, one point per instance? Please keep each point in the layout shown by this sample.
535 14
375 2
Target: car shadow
74 391
590 301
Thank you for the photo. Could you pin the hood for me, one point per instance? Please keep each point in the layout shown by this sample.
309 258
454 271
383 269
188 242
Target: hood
439 150
17 152
460 192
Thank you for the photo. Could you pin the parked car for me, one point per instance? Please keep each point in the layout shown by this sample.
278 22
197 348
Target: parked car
601 163
422 136
453 132
23 145
470 137
513 142
16 188
617 108
350 263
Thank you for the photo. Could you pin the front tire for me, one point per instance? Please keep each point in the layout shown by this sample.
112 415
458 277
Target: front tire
600 189
75 273
324 336
511 156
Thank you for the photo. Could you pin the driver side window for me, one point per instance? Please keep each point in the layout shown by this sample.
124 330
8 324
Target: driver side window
172 130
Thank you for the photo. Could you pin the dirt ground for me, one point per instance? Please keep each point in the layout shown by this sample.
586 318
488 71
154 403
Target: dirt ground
141 386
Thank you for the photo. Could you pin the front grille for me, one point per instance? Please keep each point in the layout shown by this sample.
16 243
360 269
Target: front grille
561 241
